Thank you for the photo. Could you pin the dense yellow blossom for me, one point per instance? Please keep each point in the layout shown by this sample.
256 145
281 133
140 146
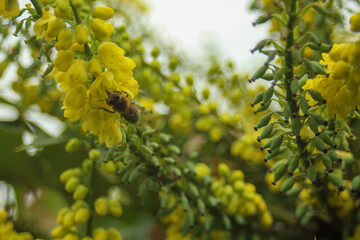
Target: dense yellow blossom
340 88
7 229
7 10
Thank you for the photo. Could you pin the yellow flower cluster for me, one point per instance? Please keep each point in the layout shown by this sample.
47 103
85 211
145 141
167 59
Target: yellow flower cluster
238 197
111 70
7 229
9 8
340 88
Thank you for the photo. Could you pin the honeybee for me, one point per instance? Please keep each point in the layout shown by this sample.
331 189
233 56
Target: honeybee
122 105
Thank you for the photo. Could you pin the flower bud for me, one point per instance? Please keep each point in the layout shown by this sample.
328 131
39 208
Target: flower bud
71 184
80 192
224 170
63 60
64 40
63 5
82 215
108 167
115 208
54 28
101 29
100 234
58 232
279 173
263 121
113 234
103 12
95 67
69 219
335 179
205 93
355 22
311 173
73 145
101 206
66 175
81 34
77 3
94 154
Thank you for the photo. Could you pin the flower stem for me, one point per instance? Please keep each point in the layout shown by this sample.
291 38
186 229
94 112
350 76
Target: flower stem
289 74
37 6
78 22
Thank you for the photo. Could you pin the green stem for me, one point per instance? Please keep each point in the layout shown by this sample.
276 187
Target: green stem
90 201
37 6
289 74
78 22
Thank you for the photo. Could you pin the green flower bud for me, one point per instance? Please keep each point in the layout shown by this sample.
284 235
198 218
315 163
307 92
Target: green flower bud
73 145
173 64
333 156
71 184
258 98
287 185
327 162
276 142
274 153
262 107
227 222
263 121
335 179
155 52
303 80
313 125
66 175
94 154
311 173
293 164
318 118
267 95
80 192
355 185
184 202
320 145
316 95
287 112
260 45
262 19
300 210
201 207
189 80
304 106
260 72
279 173
294 86
193 190
266 132
295 126
293 192
327 139
279 74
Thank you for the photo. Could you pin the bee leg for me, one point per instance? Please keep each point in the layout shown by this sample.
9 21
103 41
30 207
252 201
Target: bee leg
127 95
107 110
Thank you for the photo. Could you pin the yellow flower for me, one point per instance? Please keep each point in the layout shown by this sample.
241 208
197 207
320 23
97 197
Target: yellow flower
41 25
53 29
104 13
111 133
65 40
7 10
74 102
355 22
101 29
112 57
81 34
202 170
